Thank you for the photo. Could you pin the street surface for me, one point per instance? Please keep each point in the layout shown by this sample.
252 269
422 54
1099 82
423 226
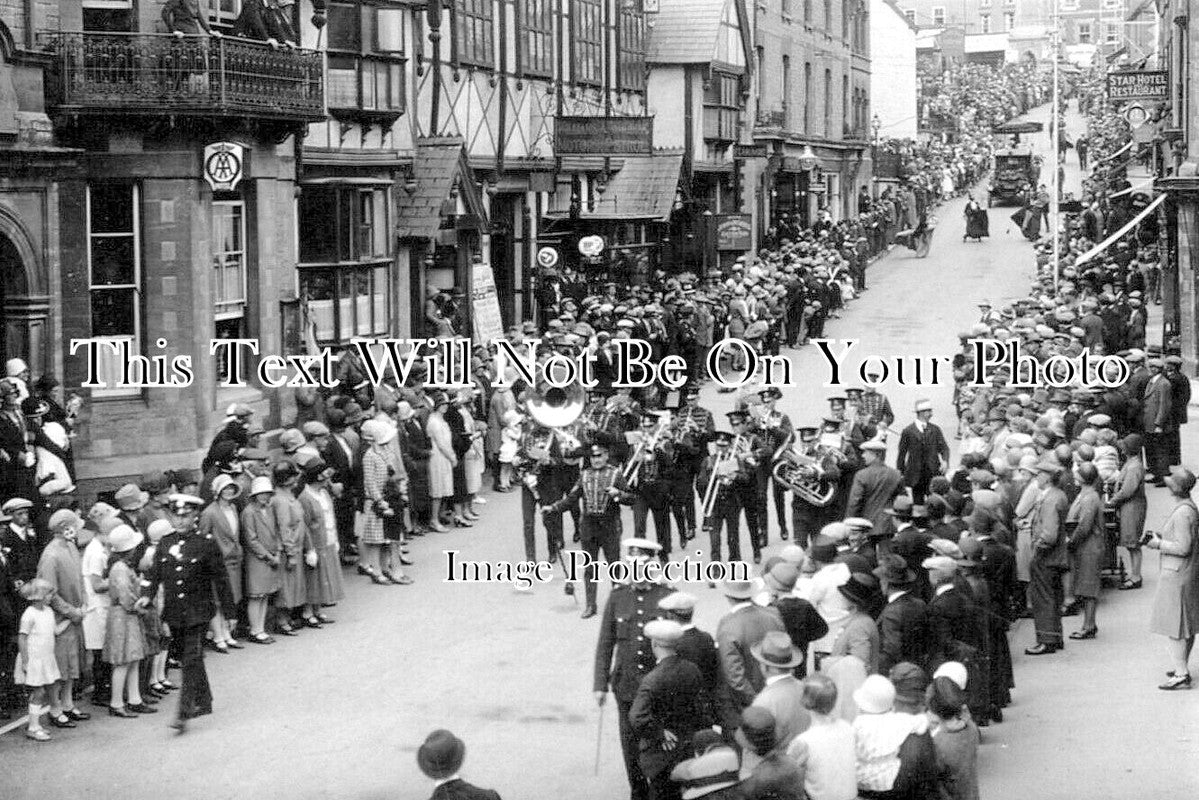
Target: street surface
340 712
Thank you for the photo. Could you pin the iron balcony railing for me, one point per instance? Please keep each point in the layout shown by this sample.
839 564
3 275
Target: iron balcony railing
163 74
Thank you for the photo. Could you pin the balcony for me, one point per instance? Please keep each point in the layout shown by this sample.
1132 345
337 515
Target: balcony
146 74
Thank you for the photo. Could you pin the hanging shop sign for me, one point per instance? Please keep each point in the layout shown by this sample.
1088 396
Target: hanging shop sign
734 232
547 257
224 165
591 246
1138 85
603 136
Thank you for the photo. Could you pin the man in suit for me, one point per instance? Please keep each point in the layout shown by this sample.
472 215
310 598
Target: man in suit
1158 421
1050 559
910 542
1180 391
440 758
923 451
696 646
769 774
801 620
782 695
190 567
955 622
669 708
19 540
623 658
903 623
874 485
743 626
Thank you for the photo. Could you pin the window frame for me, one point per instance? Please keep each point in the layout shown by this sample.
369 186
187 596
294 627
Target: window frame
480 55
529 26
579 44
243 253
1084 33
109 391
722 100
1009 21
385 67
984 23
630 58
938 11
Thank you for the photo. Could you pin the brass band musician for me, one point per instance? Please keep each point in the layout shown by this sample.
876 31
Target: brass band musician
751 451
599 491
721 474
541 461
693 427
651 467
808 518
775 428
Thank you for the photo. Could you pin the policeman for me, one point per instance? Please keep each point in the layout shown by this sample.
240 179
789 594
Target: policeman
191 571
623 655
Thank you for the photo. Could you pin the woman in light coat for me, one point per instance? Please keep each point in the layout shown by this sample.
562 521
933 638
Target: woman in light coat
261 540
1131 505
1084 525
1176 607
442 460
294 544
324 580
385 493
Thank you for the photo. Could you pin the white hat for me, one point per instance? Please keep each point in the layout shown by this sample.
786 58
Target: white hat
158 529
677 601
940 564
639 544
123 539
261 485
953 670
15 504
923 405
14 367
876 695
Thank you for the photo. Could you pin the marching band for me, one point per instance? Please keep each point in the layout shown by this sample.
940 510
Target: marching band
661 461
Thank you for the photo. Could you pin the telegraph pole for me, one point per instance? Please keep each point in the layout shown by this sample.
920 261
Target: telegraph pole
1054 202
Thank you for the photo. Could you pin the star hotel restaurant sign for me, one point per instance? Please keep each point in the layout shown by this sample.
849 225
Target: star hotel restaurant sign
224 165
1138 85
603 136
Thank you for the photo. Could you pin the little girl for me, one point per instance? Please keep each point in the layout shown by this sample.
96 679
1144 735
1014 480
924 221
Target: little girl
159 685
124 636
36 665
509 444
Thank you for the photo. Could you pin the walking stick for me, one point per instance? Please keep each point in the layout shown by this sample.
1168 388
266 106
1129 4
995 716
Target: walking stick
599 734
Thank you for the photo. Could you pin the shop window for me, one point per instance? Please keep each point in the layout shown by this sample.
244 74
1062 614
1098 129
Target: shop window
587 40
365 59
114 275
473 33
536 37
345 269
630 50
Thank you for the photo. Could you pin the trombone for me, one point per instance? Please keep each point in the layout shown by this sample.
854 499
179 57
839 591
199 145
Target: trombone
719 468
647 445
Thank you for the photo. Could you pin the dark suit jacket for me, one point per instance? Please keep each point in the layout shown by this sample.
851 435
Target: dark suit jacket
918 454
461 790
912 545
953 618
1157 410
670 698
873 489
736 633
699 648
803 624
903 632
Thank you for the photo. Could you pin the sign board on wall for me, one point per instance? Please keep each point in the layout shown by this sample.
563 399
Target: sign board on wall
224 164
1138 85
486 319
734 232
603 136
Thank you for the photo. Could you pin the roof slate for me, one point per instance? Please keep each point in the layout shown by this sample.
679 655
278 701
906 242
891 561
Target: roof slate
644 188
685 31
433 169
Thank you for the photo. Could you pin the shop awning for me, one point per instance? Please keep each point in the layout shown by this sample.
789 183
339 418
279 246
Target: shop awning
1099 248
645 188
436 167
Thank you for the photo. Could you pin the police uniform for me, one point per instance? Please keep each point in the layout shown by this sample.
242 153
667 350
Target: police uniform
623 657
191 571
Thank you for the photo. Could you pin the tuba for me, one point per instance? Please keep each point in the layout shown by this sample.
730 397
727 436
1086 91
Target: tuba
557 409
802 474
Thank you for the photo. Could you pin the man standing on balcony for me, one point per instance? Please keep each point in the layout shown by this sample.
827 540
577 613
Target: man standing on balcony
186 18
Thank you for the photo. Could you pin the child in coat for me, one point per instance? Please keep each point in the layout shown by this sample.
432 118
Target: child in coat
36 665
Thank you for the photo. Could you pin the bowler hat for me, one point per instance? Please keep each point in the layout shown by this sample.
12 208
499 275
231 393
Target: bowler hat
894 570
776 650
441 755
861 589
901 508
741 590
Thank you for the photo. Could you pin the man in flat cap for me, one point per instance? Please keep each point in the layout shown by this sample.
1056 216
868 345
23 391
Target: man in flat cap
669 708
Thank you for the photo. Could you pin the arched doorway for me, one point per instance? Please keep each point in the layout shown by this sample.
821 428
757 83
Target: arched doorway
25 315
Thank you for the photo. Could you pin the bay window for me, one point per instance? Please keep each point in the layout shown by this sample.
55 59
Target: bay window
474 33
345 260
536 43
630 50
587 40
366 59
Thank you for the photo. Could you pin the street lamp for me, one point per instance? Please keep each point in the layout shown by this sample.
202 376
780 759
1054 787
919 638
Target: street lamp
875 124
